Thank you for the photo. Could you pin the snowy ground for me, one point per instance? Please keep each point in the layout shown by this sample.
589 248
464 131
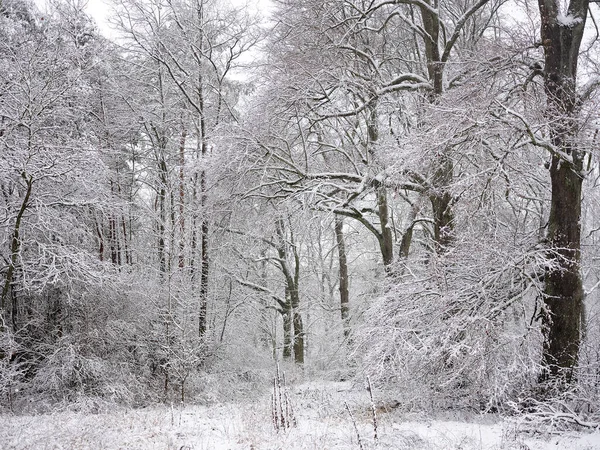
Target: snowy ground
322 423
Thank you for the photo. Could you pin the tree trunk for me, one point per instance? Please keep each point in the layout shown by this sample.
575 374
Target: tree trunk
441 203
287 331
100 239
204 268
386 242
15 250
182 198
408 232
204 261
343 275
563 294
292 318
443 166
126 247
431 24
386 239
162 199
298 327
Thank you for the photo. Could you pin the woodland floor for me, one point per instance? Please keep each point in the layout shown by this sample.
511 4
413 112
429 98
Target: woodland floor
323 422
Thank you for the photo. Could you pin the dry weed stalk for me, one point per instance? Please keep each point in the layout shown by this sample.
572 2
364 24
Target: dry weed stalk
282 412
373 409
359 440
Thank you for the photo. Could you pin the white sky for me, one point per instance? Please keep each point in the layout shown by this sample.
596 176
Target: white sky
100 11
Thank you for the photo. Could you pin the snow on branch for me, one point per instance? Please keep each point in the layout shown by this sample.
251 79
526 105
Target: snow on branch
534 139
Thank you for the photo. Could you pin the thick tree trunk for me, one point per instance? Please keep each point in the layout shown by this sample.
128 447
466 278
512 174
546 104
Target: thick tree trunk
443 166
441 203
408 232
561 35
343 275
386 243
298 327
287 331
563 291
431 24
386 239
292 319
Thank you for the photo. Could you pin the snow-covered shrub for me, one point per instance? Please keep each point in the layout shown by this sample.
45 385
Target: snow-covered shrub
572 407
461 330
234 370
71 373
12 369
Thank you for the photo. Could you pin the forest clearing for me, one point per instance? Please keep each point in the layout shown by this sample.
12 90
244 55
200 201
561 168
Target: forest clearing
322 422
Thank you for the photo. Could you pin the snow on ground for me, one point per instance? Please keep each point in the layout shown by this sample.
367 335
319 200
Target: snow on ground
322 423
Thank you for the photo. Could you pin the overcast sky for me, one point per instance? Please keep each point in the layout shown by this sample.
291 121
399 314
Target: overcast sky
100 10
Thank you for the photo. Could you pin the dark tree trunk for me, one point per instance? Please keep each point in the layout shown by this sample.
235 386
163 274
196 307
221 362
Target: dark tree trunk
431 24
297 323
386 243
287 331
563 290
204 268
15 250
298 327
408 232
343 275
386 239
442 202
292 319
113 239
443 166
161 200
126 248
204 261
100 240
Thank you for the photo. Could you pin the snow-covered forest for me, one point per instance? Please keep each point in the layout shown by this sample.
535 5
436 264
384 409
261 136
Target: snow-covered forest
342 212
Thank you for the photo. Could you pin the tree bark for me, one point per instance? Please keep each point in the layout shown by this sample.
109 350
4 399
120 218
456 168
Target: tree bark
204 261
386 243
182 198
441 202
386 239
204 269
297 323
161 200
15 250
408 232
287 329
292 319
343 275
561 36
